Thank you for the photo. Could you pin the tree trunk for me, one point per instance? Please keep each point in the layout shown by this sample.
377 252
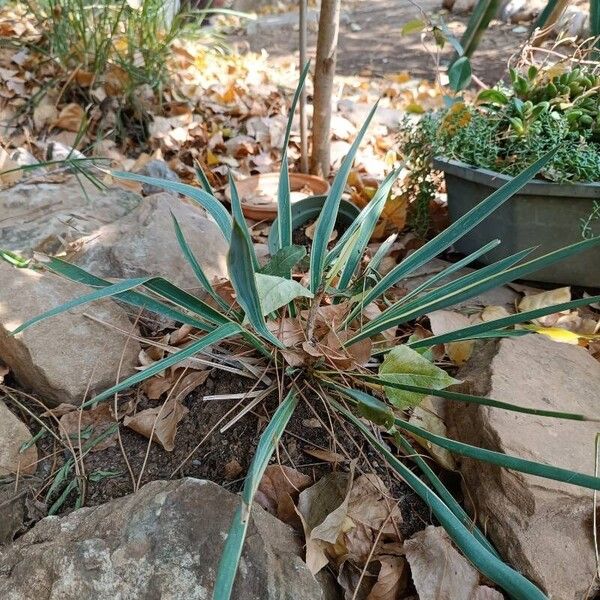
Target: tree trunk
303 132
547 20
329 24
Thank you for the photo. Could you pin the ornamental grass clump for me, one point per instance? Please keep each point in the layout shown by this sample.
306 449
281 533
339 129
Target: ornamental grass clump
336 335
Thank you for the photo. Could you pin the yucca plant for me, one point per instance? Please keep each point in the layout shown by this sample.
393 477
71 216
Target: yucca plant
336 337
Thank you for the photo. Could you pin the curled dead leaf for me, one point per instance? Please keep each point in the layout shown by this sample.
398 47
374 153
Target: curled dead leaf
392 578
159 423
445 321
71 118
279 489
543 300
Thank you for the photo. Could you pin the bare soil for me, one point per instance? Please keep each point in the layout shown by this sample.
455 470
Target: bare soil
225 457
371 43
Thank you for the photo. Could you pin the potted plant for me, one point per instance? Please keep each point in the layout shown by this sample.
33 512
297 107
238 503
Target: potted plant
480 146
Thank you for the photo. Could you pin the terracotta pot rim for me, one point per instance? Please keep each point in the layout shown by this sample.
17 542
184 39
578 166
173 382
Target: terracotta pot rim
318 185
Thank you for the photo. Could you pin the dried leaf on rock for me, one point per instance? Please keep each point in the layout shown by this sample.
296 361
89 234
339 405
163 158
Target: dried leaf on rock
343 518
438 570
426 417
491 313
279 489
445 321
543 300
159 422
322 508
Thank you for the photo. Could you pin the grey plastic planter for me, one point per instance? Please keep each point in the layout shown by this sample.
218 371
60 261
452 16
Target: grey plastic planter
542 214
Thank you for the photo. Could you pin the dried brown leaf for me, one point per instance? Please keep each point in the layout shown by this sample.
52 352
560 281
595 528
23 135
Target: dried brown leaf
71 118
279 489
325 455
392 579
160 423
445 321
99 419
232 469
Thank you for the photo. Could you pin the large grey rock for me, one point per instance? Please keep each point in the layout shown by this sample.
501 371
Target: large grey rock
144 243
14 494
68 355
162 542
46 217
14 433
542 527
160 170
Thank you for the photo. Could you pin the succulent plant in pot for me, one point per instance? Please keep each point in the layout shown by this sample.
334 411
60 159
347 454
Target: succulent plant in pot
337 338
479 146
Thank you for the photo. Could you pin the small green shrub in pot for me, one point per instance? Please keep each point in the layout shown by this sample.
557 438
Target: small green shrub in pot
372 379
508 128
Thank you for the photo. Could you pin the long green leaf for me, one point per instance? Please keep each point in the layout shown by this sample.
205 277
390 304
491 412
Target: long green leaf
381 253
215 336
326 220
482 14
445 294
203 179
381 414
284 205
453 233
241 275
462 285
238 215
490 456
504 460
284 209
510 580
450 269
234 544
366 222
470 286
79 275
196 266
478 330
181 298
201 197
481 400
442 491
545 14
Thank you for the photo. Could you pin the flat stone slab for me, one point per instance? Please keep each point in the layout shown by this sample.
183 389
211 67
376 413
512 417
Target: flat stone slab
46 217
68 357
540 526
